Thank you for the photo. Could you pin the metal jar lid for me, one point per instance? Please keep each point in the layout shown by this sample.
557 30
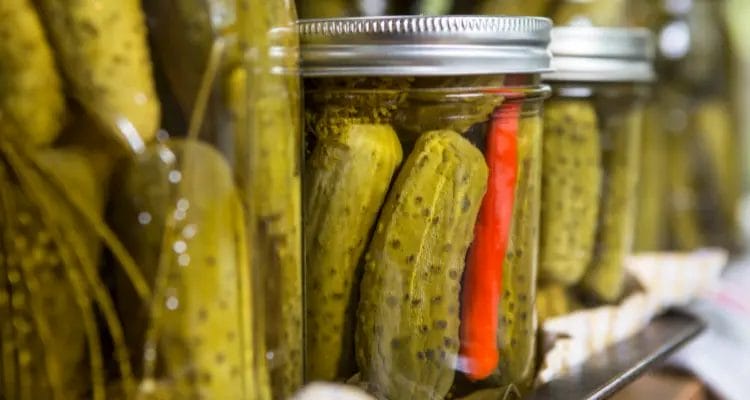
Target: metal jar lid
588 54
424 46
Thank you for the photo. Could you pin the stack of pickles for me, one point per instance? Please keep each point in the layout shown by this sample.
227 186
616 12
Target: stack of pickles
138 262
422 196
693 128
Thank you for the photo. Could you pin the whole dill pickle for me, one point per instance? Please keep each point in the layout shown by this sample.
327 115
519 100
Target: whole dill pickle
518 322
620 143
347 180
101 48
31 95
199 264
653 187
716 147
571 180
183 33
407 335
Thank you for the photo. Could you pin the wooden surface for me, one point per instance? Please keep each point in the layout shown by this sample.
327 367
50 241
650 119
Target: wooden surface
663 386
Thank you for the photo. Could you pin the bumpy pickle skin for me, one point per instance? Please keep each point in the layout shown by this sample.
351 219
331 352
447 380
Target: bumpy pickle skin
31 95
49 300
571 179
346 183
101 48
200 330
407 335
518 322
53 254
336 103
653 187
620 143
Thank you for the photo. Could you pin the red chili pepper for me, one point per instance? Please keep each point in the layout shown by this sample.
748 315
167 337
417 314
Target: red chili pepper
484 271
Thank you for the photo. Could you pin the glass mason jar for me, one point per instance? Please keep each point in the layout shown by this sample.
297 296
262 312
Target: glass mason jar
422 189
591 161
704 207
190 221
212 216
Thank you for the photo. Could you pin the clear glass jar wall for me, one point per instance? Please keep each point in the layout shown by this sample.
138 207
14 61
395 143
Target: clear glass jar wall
198 294
423 176
591 168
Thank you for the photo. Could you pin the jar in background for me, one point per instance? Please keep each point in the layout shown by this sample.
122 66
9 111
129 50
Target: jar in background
212 216
593 128
422 189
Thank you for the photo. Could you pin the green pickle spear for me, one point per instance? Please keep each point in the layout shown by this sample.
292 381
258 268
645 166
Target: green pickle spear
518 322
570 189
346 182
407 335
621 129
717 142
101 48
178 208
31 94
653 187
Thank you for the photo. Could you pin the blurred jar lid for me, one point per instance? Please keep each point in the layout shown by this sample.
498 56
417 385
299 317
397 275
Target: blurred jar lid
424 45
590 54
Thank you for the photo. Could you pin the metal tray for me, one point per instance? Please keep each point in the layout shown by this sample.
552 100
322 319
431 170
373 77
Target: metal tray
605 373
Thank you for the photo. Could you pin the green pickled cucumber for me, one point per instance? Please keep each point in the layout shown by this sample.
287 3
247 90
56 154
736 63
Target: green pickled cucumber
620 143
443 103
269 177
347 181
518 322
184 34
101 48
716 146
41 249
179 213
407 336
571 179
685 229
31 95
653 187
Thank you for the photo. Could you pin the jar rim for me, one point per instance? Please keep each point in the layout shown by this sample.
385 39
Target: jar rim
596 54
424 45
